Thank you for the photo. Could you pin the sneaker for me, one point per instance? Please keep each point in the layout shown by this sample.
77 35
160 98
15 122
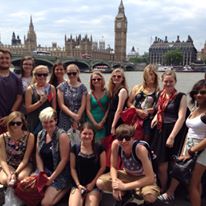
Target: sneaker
165 198
132 199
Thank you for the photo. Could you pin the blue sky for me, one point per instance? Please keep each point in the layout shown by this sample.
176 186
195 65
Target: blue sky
146 19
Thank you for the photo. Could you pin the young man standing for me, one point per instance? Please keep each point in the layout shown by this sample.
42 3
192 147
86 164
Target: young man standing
137 173
10 87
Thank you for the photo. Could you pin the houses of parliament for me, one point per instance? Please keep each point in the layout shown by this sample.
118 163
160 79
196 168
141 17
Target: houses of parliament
79 46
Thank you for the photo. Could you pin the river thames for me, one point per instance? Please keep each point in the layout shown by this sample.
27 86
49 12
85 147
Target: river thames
185 80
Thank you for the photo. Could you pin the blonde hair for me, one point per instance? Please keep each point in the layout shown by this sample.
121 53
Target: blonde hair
36 69
74 66
47 114
147 70
100 75
111 84
169 73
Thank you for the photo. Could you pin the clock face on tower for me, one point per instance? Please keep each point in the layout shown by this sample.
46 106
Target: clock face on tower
119 25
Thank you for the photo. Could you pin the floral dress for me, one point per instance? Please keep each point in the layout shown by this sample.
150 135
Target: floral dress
72 99
15 149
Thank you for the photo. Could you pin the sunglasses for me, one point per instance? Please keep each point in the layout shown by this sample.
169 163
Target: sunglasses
127 138
194 92
96 80
41 74
117 76
17 123
71 73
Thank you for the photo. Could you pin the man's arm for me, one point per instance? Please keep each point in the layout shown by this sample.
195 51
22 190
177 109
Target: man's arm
149 176
17 103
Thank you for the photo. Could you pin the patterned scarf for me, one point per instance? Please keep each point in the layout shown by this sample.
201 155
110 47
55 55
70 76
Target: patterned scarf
162 103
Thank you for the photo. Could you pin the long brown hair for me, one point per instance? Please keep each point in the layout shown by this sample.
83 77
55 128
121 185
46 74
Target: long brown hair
147 70
88 125
53 78
22 62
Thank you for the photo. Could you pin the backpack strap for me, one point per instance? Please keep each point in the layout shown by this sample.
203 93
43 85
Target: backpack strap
145 144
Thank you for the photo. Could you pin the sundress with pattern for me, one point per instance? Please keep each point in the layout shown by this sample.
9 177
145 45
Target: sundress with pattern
72 99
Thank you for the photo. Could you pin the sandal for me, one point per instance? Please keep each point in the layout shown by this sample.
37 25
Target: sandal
165 198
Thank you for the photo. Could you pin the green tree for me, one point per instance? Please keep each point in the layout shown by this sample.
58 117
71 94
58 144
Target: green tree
140 59
173 57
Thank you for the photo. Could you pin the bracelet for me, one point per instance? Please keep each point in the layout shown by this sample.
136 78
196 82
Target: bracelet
190 152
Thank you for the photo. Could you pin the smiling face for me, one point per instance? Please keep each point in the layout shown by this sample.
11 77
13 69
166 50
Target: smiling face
168 83
49 124
59 71
16 124
117 78
72 72
27 67
5 61
41 73
87 135
200 95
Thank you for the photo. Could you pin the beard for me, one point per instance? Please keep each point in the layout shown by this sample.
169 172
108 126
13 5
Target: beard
4 68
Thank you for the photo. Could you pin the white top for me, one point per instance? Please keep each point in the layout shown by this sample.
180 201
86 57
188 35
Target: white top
196 128
26 81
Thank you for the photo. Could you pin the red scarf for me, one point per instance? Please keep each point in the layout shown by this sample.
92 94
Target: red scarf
162 103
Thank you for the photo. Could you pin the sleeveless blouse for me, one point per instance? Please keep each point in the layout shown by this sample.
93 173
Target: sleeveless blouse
131 165
145 101
15 149
197 128
34 124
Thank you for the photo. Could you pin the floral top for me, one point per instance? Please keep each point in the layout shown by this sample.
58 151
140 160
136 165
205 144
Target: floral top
72 99
15 149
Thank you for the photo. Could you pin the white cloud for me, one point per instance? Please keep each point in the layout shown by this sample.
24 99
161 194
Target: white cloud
146 19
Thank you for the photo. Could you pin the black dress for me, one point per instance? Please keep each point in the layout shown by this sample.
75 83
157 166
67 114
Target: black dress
113 107
158 141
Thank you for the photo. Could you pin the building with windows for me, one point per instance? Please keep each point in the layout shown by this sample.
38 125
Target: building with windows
160 47
79 46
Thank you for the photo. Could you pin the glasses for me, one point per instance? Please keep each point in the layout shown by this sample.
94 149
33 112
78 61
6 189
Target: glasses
96 80
117 76
17 123
71 73
41 74
201 92
127 138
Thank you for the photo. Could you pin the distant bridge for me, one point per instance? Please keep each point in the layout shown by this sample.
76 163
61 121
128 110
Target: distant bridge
83 64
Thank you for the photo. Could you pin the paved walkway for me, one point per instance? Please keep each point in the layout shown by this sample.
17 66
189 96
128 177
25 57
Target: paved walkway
181 200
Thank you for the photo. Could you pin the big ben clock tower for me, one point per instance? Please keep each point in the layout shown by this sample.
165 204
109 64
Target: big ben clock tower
120 34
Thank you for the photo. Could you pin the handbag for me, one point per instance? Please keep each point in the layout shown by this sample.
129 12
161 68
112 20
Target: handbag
182 169
31 189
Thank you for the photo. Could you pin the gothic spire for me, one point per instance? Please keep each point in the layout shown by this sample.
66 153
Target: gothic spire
121 10
31 26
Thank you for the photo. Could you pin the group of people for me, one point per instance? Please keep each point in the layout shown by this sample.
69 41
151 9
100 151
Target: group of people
59 127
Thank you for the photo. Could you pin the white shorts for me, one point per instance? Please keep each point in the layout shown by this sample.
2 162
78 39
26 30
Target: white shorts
202 158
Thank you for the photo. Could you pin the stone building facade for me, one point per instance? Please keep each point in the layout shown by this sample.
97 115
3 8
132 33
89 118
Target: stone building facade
160 47
79 46
203 53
